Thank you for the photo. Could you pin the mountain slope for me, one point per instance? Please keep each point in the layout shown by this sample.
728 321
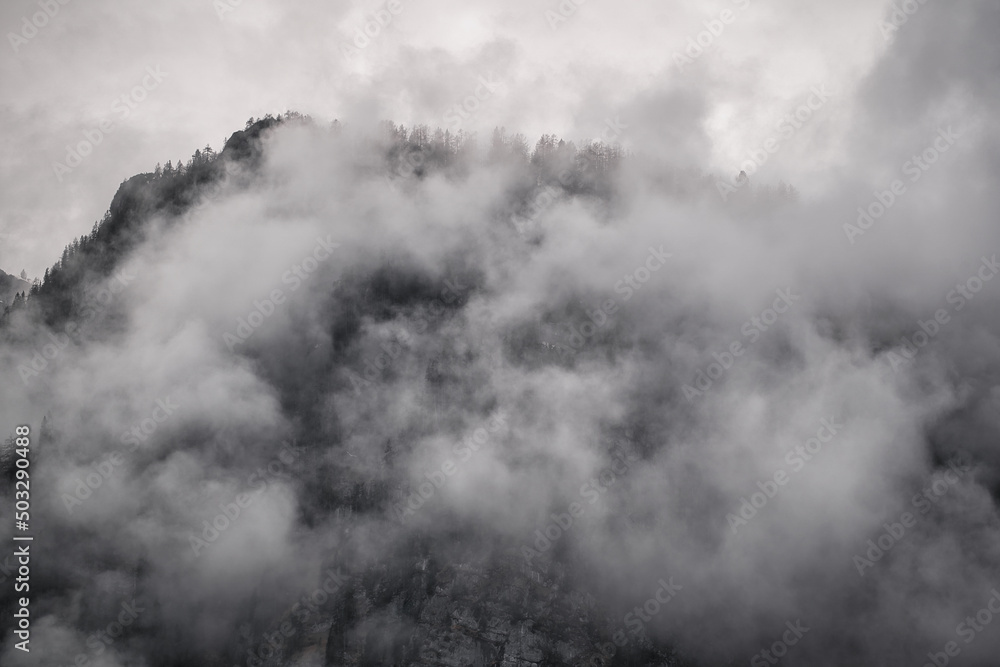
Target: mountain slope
9 286
336 397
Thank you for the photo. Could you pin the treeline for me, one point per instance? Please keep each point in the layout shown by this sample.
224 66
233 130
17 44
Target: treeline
168 190
172 188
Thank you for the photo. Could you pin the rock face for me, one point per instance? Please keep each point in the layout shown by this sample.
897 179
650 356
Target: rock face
462 615
493 611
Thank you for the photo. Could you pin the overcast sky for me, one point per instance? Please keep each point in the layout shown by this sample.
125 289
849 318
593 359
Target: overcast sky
166 79
221 64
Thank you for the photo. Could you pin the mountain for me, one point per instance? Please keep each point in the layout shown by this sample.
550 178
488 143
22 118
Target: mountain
385 396
468 599
9 286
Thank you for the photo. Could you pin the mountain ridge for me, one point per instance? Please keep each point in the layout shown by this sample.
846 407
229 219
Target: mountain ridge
10 285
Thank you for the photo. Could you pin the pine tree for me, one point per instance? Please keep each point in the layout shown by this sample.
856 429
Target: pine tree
418 135
519 146
498 143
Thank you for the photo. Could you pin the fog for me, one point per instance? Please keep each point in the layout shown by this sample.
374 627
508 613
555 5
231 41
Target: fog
709 348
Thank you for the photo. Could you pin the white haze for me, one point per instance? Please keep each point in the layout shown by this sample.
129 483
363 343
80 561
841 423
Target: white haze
828 357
